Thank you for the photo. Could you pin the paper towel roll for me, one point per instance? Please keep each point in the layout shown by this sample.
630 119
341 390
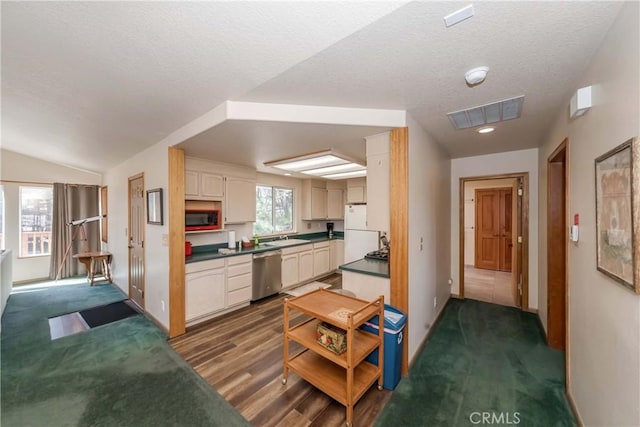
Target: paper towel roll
232 240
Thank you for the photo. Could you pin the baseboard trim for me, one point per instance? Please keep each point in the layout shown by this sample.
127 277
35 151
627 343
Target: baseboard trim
456 296
574 409
532 310
156 322
429 332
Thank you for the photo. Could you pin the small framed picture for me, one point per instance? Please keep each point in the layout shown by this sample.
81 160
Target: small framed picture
618 214
154 206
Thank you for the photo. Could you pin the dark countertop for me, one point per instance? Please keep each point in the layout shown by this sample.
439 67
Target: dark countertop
372 267
207 252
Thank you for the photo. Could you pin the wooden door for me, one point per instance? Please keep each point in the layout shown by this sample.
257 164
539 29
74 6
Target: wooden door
136 239
557 238
506 230
494 230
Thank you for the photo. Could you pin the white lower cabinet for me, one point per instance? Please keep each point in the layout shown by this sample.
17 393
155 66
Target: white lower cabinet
305 266
337 253
213 286
289 270
321 258
204 288
239 277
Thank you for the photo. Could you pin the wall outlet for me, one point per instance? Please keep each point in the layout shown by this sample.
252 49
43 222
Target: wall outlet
435 302
165 240
450 282
308 226
126 232
162 302
421 244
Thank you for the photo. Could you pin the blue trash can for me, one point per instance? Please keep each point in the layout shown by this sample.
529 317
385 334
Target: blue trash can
394 321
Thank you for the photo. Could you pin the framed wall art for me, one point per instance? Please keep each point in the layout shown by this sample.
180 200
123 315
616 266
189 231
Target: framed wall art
154 206
618 214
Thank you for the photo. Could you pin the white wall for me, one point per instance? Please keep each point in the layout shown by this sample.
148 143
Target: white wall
429 219
21 168
604 317
470 211
495 164
153 162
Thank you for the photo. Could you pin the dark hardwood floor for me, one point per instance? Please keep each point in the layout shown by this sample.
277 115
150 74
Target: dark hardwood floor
240 355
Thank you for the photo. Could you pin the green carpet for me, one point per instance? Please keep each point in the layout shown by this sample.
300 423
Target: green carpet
482 358
119 374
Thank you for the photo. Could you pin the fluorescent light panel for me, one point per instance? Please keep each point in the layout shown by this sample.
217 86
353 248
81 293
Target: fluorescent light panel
346 167
325 164
507 109
343 175
313 162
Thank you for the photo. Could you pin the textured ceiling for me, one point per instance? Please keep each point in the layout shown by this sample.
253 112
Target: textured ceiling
88 84
91 83
409 60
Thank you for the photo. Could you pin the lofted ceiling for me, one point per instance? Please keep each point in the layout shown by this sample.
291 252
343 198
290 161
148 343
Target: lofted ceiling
89 84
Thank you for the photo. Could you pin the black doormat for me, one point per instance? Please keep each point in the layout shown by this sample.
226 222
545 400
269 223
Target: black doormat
104 314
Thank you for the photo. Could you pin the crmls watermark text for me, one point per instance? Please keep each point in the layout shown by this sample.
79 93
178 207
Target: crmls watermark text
502 418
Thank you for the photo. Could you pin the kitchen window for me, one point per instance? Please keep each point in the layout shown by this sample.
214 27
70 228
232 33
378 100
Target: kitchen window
274 210
36 211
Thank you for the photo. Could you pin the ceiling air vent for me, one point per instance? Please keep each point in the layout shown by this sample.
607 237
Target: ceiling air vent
486 114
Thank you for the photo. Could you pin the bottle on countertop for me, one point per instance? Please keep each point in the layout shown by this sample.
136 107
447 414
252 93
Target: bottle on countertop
255 240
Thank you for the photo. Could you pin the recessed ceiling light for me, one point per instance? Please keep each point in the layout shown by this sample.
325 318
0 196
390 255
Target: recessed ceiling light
486 129
287 174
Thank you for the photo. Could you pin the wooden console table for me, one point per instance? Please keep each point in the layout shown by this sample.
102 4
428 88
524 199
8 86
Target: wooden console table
344 377
93 260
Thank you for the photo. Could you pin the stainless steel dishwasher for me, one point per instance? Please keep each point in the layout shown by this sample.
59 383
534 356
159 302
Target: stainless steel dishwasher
267 274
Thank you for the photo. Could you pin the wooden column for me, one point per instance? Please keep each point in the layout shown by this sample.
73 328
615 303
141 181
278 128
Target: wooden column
176 243
399 218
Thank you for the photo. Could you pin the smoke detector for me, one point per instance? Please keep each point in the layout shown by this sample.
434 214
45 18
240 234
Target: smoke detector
475 76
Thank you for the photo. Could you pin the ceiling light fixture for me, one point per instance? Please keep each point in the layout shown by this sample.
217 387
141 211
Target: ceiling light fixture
323 164
475 76
486 129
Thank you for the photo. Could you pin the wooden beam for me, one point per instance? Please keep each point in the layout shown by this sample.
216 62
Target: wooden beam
399 224
176 243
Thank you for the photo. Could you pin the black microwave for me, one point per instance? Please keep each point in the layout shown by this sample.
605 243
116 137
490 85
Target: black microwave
201 219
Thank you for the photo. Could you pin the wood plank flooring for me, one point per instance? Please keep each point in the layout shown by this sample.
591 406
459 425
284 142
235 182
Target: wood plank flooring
489 286
240 355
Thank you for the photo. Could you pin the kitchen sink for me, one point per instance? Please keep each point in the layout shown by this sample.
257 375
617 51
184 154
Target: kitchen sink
286 242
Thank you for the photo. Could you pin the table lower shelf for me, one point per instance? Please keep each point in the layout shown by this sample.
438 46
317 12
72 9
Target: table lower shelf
331 378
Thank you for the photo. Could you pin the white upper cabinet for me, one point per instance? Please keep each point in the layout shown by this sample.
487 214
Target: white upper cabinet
211 186
240 201
191 184
378 182
314 199
335 203
203 186
357 190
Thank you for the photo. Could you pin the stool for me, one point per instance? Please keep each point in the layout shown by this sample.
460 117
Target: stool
96 262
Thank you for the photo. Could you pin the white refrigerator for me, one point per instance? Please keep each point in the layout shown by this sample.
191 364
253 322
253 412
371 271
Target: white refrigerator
358 241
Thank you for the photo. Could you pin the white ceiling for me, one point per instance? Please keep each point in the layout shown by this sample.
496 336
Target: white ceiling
89 84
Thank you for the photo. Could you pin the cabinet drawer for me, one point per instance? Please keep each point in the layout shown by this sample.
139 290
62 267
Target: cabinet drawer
296 249
239 259
321 245
238 282
239 296
203 265
237 270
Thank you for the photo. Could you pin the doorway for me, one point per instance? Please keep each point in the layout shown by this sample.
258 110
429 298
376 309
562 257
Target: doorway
494 239
557 247
136 239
